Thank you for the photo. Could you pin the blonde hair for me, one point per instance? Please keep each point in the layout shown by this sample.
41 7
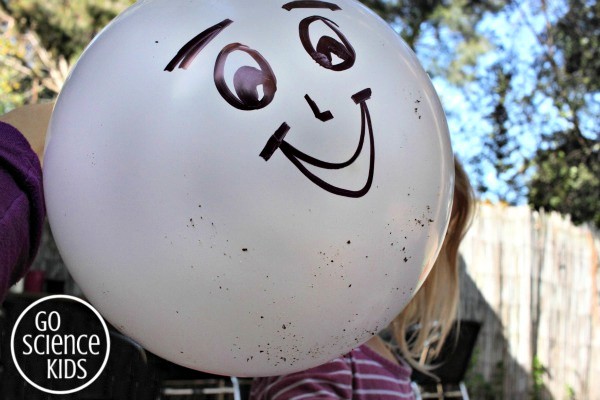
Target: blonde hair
434 308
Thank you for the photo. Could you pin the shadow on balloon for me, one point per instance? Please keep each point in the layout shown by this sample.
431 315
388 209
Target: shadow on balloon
134 373
131 373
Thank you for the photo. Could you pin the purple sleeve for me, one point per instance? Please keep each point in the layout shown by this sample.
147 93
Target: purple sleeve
22 209
328 381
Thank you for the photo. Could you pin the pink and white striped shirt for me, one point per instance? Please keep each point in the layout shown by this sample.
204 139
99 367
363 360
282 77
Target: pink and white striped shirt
361 374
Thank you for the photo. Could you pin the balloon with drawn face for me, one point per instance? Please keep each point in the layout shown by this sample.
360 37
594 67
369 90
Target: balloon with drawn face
248 187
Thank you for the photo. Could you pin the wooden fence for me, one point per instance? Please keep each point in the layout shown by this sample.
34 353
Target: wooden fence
533 280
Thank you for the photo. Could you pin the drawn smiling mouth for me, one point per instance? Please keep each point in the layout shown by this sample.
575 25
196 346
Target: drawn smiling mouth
297 157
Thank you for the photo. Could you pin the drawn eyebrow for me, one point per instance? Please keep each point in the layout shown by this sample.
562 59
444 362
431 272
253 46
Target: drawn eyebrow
310 4
190 50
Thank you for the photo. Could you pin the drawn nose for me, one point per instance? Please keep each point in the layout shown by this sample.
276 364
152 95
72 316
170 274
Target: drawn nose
321 116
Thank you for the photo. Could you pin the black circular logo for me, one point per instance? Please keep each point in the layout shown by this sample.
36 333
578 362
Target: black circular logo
60 344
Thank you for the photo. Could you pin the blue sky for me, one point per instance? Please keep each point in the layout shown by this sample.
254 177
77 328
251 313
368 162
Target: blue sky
512 33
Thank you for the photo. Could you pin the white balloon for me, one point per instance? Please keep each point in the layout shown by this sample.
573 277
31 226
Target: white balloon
202 189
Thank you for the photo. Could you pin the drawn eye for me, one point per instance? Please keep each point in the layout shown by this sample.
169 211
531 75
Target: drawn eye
246 80
327 46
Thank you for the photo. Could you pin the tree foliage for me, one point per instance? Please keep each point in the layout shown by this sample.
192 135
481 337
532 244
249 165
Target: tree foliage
567 178
530 74
523 78
40 40
567 171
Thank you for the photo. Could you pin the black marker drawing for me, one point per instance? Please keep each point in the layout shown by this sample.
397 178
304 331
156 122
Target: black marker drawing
327 45
246 80
276 141
321 116
190 50
310 4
